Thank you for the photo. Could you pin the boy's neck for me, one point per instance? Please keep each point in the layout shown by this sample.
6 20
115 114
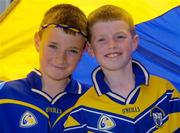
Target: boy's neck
53 87
121 82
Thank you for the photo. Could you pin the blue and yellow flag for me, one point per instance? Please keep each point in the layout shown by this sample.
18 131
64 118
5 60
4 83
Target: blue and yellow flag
157 23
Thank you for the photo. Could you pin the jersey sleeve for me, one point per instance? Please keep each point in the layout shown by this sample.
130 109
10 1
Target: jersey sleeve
174 108
174 99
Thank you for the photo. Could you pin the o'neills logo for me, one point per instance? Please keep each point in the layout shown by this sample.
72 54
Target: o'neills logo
130 110
53 110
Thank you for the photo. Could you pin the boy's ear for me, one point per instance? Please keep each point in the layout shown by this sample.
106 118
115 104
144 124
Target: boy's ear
90 50
37 40
135 42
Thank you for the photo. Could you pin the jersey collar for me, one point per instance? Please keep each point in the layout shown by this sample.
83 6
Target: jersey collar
34 79
141 77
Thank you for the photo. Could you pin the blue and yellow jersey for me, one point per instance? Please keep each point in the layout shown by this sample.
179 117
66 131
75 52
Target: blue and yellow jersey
152 106
24 107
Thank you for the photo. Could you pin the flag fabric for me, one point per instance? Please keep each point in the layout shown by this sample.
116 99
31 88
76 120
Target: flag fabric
157 24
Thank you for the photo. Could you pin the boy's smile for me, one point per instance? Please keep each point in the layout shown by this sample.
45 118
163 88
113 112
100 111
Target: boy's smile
113 55
112 44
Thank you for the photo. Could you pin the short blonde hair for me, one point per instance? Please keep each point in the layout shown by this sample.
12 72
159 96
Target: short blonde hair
66 14
109 13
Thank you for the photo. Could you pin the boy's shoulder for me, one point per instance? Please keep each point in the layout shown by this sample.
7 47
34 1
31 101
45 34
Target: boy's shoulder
159 85
13 87
159 81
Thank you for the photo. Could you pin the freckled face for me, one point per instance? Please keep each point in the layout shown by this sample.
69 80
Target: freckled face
112 44
59 53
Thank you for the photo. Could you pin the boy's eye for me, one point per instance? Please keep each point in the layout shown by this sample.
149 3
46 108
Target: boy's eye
120 37
52 46
100 39
73 51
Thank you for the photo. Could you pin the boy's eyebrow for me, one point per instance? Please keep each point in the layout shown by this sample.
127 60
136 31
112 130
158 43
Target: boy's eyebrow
99 35
121 32
118 32
75 48
53 42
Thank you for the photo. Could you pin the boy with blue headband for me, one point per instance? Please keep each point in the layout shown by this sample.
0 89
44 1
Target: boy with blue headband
34 103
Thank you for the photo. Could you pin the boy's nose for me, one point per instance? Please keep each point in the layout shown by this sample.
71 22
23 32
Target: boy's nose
60 58
112 44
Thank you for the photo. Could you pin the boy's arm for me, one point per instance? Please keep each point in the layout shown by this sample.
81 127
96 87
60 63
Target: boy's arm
174 108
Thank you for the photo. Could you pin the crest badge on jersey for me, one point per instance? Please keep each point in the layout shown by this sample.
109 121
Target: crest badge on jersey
27 120
105 123
157 114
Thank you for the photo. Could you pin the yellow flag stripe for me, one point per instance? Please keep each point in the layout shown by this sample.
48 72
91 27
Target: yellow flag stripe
9 101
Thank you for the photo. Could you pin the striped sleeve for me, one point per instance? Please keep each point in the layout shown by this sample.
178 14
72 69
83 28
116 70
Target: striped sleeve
174 99
174 108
